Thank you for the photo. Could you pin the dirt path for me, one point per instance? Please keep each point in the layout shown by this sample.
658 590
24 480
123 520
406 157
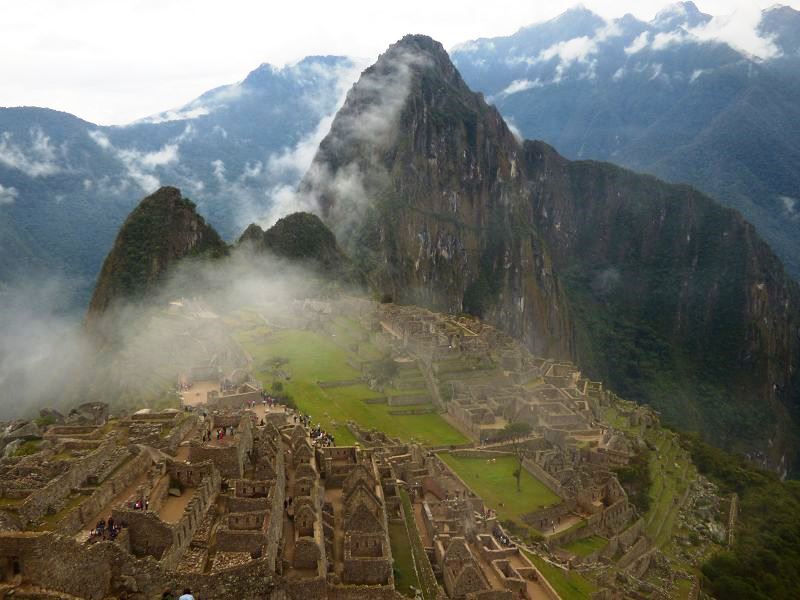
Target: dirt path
172 508
566 522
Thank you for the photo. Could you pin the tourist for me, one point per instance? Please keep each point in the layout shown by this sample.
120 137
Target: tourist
187 594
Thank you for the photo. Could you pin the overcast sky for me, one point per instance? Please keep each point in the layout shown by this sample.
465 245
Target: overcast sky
113 61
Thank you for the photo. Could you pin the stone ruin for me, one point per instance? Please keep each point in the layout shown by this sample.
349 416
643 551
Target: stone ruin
236 500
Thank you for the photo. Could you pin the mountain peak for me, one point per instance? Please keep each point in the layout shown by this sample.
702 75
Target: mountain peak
680 14
162 229
416 52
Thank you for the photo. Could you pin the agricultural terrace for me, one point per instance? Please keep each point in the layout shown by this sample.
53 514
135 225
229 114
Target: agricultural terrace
496 484
569 584
305 358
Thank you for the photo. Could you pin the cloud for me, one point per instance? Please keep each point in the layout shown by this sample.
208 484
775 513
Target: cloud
665 39
140 166
640 43
38 159
219 170
740 31
40 345
131 355
790 206
512 127
176 115
578 50
369 121
7 194
520 85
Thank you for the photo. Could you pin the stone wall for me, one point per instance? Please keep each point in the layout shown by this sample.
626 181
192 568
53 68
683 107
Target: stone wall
52 496
477 453
190 475
235 504
105 570
634 552
78 518
177 435
548 480
362 592
151 536
275 526
229 540
148 534
408 399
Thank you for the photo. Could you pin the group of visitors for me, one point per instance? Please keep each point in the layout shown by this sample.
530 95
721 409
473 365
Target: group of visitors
321 438
304 420
141 504
221 433
106 530
501 536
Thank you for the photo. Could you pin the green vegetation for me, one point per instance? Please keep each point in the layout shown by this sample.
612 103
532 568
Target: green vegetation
494 483
636 478
627 338
50 521
28 448
146 246
45 421
405 574
314 357
763 562
671 474
383 370
516 430
427 580
586 546
570 585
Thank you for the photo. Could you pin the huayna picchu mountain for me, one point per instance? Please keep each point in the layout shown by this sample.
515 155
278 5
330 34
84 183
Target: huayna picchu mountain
164 228
300 237
654 288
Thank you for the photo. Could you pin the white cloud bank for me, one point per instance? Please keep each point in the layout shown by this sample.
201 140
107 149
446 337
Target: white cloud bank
38 158
7 194
140 166
739 30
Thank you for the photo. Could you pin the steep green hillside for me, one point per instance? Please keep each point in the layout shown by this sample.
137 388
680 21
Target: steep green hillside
163 229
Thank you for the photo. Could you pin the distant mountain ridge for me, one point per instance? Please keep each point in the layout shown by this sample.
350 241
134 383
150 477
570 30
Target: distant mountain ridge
667 97
68 184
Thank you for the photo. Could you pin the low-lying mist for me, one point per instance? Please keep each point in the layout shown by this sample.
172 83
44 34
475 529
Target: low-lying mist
131 355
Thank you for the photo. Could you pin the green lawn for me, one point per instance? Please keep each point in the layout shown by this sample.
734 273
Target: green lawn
570 585
405 573
586 546
315 357
428 586
495 484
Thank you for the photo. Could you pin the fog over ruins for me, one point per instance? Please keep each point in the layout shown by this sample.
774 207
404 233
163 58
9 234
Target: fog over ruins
235 492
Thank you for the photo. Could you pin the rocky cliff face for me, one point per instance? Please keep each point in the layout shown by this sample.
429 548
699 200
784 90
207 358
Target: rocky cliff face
163 229
422 182
653 287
